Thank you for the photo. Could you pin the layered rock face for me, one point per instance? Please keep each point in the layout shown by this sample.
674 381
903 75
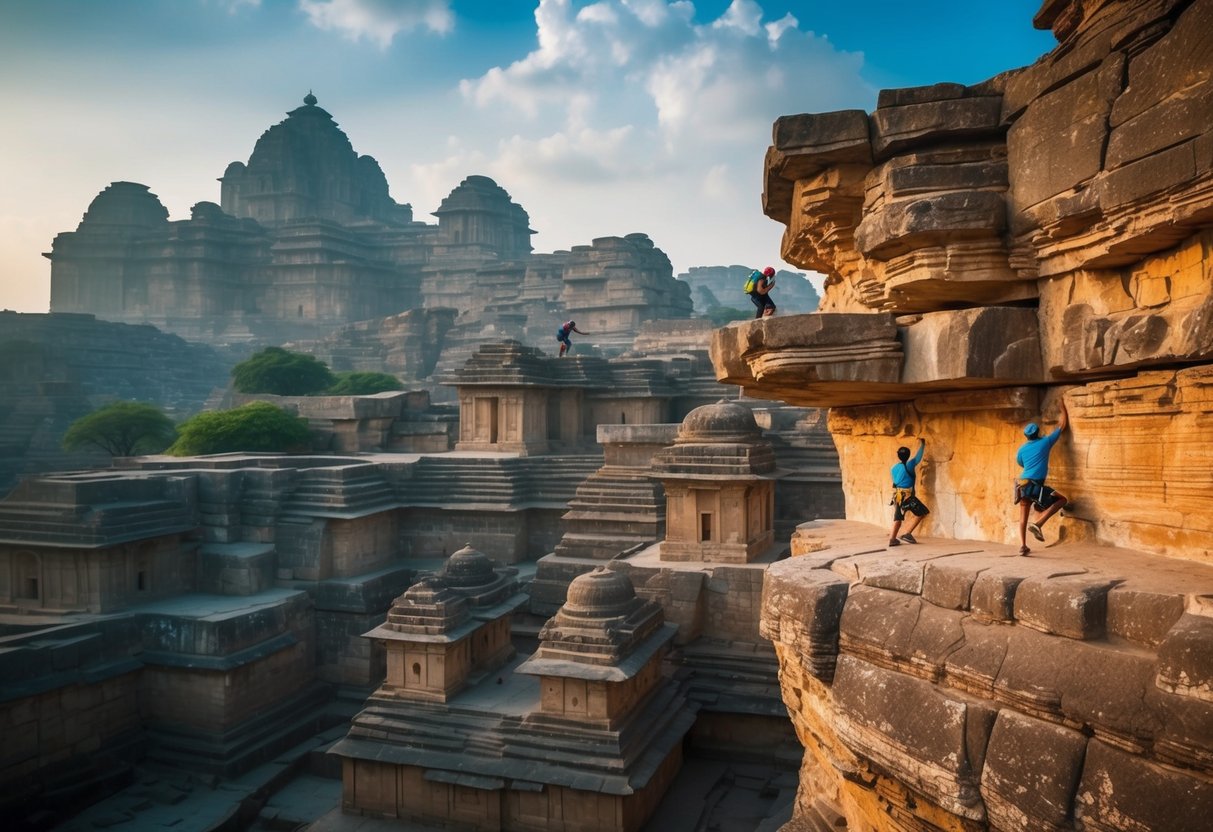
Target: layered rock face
956 688
991 251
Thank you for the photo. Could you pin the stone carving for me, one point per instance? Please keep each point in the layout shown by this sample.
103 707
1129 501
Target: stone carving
56 368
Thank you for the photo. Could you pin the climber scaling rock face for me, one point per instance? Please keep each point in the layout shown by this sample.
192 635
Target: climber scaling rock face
981 274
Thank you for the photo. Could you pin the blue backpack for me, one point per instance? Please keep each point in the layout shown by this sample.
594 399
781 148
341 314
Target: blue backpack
751 285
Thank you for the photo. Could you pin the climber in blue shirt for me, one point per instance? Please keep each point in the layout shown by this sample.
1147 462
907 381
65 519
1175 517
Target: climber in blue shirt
904 498
1030 488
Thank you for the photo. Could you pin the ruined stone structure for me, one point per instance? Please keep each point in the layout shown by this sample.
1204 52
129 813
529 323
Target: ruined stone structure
991 252
307 239
56 368
583 735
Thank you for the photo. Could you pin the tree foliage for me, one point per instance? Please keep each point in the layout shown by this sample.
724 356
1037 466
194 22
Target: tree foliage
122 429
283 373
363 384
721 315
257 426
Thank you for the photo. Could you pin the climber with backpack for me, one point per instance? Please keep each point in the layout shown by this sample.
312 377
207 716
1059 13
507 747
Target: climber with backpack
757 287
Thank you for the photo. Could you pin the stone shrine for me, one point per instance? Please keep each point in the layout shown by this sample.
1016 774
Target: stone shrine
718 479
592 743
448 628
993 252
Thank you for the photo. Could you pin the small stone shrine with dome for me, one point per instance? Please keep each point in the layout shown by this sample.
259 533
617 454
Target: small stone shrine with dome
583 736
719 479
450 628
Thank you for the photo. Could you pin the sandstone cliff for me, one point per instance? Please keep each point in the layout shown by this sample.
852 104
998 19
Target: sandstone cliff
990 253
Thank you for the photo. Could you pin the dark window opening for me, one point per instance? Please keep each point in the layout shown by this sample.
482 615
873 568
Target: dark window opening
705 525
417 669
31 588
141 581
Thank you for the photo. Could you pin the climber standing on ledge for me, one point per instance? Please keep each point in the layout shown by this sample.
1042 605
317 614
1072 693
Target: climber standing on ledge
1030 488
757 287
562 335
904 498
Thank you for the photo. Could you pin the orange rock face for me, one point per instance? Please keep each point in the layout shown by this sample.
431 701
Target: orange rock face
991 254
994 250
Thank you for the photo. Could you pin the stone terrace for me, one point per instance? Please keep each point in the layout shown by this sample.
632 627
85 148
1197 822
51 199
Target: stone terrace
968 671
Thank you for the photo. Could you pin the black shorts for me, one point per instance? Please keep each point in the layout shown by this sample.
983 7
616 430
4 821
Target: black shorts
1035 491
911 504
762 302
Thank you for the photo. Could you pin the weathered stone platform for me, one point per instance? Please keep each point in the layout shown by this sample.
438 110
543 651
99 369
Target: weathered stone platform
956 683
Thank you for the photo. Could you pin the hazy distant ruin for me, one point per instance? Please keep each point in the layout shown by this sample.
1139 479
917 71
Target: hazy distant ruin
306 238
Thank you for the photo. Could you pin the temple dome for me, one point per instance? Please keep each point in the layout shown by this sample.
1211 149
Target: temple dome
600 594
468 568
723 422
126 204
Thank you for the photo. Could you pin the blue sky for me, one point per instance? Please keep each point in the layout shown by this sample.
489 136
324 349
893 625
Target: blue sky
599 118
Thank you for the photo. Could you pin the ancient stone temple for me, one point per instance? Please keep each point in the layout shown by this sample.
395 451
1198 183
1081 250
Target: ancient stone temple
307 239
719 484
992 253
449 628
583 735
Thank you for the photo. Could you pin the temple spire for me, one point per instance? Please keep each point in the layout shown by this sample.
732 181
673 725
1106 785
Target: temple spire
309 99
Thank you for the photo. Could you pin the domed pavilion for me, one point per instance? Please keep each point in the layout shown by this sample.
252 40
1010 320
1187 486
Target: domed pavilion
719 480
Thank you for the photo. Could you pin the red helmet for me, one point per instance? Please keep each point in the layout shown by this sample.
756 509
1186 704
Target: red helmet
768 272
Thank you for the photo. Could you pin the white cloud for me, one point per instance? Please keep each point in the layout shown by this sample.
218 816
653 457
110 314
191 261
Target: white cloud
661 118
646 62
378 21
745 16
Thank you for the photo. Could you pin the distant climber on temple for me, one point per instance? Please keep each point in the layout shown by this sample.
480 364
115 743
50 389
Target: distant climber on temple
757 287
904 499
562 335
1030 488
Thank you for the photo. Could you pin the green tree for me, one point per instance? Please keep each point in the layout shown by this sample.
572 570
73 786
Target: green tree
275 370
122 429
363 384
257 426
721 315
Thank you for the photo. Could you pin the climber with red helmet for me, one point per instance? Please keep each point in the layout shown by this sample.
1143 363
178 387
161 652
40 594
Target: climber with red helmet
562 335
757 287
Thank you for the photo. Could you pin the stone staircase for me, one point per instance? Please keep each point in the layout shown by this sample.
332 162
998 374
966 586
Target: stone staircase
614 509
459 482
341 491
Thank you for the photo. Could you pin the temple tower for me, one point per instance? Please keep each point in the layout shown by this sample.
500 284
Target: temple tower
304 167
479 213
92 269
719 480
601 653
